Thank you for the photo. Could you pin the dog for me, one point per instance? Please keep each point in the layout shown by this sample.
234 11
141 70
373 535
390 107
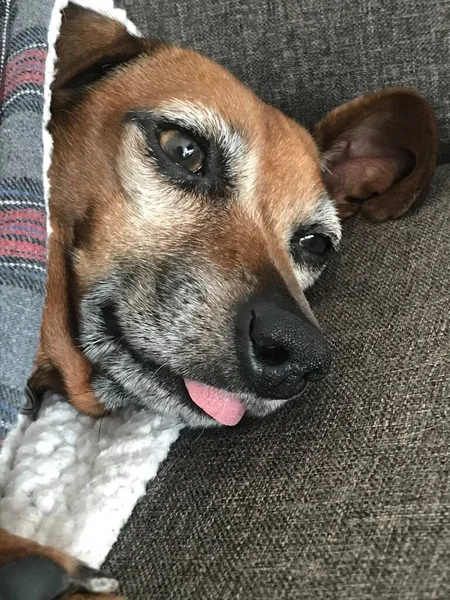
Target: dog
188 217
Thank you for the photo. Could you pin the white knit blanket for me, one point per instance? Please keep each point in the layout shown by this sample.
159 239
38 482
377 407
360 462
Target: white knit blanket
71 481
68 480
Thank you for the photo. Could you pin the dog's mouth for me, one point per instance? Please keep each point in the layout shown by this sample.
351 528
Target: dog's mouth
126 373
222 406
203 399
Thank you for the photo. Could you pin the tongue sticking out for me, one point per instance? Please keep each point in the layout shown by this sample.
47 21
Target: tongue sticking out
221 406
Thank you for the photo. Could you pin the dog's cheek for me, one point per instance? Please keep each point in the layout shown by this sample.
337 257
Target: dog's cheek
184 316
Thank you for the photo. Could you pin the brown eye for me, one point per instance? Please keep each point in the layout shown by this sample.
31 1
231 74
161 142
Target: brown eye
182 149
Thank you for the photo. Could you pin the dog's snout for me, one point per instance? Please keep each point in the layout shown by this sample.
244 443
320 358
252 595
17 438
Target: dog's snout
281 350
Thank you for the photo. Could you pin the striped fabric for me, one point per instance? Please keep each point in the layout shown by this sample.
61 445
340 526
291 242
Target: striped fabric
23 233
23 50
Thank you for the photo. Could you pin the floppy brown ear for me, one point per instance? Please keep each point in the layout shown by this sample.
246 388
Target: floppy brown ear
378 153
89 46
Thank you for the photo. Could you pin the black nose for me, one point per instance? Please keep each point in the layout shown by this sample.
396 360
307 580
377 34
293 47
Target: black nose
280 350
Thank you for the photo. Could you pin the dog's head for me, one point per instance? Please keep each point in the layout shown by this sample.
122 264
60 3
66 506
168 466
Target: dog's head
189 217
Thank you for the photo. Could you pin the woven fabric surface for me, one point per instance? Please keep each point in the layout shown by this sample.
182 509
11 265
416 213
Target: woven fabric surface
23 50
345 496
310 56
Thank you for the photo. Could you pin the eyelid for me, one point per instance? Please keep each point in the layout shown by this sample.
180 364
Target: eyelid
145 119
173 125
317 228
302 231
334 243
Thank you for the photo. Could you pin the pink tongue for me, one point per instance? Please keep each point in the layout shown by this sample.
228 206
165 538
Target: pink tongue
222 406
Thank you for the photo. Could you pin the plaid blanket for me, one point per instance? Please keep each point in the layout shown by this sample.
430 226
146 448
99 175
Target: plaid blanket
23 50
91 500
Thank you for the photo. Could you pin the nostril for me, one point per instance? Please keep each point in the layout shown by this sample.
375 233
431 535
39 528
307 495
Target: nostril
315 374
271 354
274 356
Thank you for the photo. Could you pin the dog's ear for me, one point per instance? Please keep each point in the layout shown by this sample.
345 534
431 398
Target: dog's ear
89 46
378 153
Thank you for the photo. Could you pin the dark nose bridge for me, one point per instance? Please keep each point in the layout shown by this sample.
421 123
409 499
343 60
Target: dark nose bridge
251 246
252 255
275 281
276 275
280 345
277 284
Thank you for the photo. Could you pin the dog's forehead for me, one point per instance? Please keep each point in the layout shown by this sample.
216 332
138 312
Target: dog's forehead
289 175
279 185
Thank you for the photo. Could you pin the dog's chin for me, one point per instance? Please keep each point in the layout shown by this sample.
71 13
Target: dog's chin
166 393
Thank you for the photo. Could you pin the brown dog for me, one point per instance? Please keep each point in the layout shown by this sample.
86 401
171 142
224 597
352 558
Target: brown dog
188 218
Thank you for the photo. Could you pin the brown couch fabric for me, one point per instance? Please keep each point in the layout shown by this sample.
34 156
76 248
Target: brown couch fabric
346 495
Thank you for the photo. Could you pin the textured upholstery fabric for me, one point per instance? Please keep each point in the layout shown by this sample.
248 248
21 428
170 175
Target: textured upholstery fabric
309 56
347 495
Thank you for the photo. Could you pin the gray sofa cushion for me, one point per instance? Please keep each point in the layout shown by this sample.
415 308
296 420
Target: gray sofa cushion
345 496
308 57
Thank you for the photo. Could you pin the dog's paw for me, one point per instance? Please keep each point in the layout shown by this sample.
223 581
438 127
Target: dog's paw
32 578
92 580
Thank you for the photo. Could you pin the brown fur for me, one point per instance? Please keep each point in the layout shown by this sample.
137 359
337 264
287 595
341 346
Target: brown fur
91 219
13 547
88 142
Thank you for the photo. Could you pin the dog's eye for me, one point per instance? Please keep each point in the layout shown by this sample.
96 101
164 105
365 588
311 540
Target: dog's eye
181 149
311 247
315 243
